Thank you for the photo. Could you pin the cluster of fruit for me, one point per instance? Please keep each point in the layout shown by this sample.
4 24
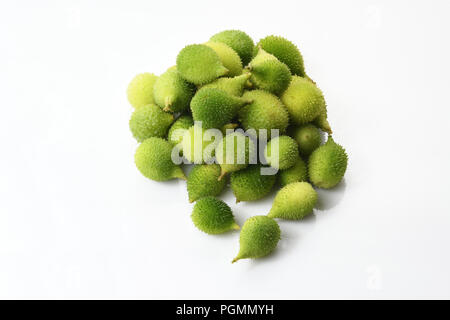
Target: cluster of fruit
224 84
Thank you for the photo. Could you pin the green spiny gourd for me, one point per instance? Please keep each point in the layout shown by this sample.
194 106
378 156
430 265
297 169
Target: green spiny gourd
140 90
308 138
229 58
153 159
213 216
286 52
249 184
327 164
294 201
265 112
234 152
150 121
239 41
234 86
303 100
215 107
203 181
172 92
268 73
199 144
322 119
281 152
297 173
199 64
177 130
259 237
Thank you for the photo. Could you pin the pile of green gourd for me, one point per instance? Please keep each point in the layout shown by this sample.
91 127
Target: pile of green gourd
228 83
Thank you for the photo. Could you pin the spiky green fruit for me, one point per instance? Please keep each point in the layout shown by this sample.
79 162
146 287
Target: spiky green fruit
229 58
265 112
150 121
234 86
215 107
269 73
239 41
308 138
213 216
234 152
200 64
298 172
153 159
327 165
203 181
322 119
294 201
281 152
178 129
249 184
286 52
172 92
303 100
259 237
140 90
199 144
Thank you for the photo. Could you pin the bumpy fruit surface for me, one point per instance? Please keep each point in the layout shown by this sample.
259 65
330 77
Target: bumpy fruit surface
269 73
327 165
213 216
234 86
199 144
259 237
287 154
154 161
229 58
249 184
265 112
172 93
303 100
239 41
308 138
140 90
199 64
286 52
297 173
234 152
215 107
150 121
178 129
203 181
294 201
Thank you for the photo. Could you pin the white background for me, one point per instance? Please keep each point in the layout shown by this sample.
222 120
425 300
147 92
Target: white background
77 220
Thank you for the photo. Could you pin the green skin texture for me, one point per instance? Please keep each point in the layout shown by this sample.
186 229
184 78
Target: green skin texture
241 153
303 100
294 201
199 64
194 144
172 92
239 41
181 124
297 173
286 52
229 58
234 86
259 237
153 159
203 182
215 107
327 165
322 120
287 154
265 112
140 90
308 138
249 185
150 121
213 216
268 73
